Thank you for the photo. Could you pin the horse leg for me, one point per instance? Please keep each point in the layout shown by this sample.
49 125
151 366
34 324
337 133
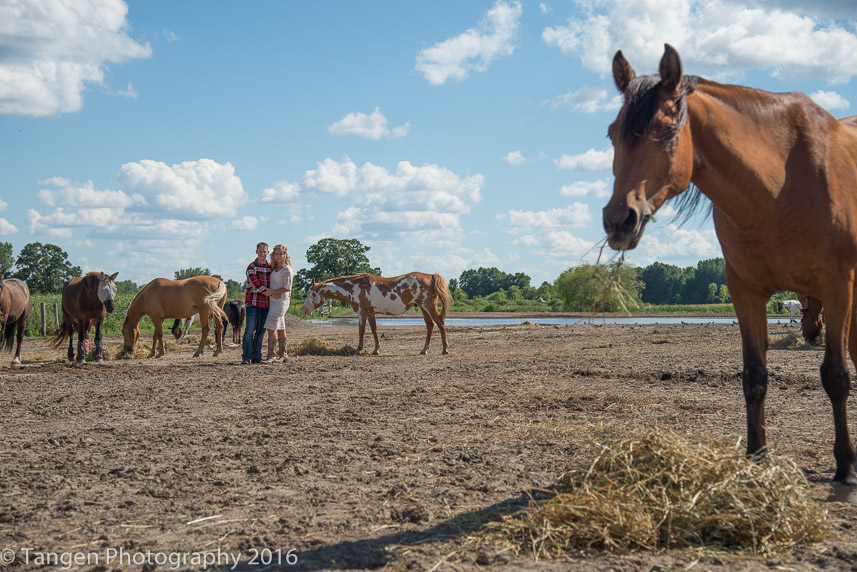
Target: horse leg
429 328
21 323
750 307
157 338
374 328
218 334
70 330
81 335
99 344
362 330
837 381
203 337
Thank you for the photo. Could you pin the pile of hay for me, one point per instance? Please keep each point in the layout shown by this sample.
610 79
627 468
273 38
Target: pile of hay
796 342
314 346
657 491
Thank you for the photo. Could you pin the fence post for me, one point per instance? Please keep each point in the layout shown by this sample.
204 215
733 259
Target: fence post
44 321
56 316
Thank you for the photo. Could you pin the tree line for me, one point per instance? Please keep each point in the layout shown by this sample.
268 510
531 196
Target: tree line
45 268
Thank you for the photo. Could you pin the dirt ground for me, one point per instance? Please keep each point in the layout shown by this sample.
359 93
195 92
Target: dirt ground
394 462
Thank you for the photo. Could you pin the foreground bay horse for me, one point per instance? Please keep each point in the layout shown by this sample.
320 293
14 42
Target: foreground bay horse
14 309
162 299
368 295
86 300
782 176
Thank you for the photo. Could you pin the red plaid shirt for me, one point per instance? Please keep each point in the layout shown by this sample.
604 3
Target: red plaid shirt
258 275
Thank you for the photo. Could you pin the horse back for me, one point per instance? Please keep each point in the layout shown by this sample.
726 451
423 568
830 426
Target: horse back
14 299
164 298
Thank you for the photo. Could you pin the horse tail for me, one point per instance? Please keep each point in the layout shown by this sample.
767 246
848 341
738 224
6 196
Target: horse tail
64 331
215 301
8 342
439 284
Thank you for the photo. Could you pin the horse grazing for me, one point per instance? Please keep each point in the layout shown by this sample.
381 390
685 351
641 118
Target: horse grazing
793 306
235 312
161 299
812 320
369 295
86 300
781 174
14 309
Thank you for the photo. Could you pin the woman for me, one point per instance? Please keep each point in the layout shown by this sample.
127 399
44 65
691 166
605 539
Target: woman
280 293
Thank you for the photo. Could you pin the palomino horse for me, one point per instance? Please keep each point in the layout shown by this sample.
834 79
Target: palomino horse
782 176
235 312
14 309
161 299
86 300
369 295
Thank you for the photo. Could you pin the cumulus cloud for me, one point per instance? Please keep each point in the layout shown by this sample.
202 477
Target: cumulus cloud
283 192
830 100
575 215
71 194
591 160
720 37
671 242
514 158
588 100
474 49
373 126
594 189
7 228
246 223
51 50
202 189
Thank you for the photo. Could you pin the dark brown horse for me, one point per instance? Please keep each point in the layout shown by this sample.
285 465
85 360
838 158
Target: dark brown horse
235 313
14 309
782 176
812 320
86 301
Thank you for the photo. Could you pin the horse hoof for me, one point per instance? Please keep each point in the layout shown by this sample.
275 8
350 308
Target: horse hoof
376 353
444 353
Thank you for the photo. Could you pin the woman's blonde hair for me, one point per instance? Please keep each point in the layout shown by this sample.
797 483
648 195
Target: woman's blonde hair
286 260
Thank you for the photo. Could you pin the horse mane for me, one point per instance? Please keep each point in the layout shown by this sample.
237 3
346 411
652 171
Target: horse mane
642 106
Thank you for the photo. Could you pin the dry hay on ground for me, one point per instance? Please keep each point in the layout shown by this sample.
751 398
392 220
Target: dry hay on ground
314 346
657 491
795 341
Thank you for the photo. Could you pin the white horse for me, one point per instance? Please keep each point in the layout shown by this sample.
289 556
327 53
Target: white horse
793 306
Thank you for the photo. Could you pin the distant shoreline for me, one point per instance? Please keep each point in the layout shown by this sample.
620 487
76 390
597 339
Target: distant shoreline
527 315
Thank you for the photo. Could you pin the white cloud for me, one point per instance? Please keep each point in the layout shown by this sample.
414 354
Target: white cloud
282 192
544 8
200 189
514 158
713 37
574 215
475 49
373 126
589 100
129 91
246 223
591 160
596 189
7 228
672 242
830 100
73 194
53 49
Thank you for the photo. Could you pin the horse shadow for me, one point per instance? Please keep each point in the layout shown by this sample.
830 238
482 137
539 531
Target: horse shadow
373 553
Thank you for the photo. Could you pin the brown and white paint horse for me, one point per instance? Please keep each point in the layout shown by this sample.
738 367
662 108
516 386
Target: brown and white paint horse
368 295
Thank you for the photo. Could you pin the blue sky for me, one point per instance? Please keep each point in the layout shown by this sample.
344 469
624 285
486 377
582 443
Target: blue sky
148 136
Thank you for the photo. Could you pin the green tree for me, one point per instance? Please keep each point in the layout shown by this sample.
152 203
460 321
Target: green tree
191 272
332 257
126 287
486 281
44 267
7 261
662 283
235 289
599 288
712 271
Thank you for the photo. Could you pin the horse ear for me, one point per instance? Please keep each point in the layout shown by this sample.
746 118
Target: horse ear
623 75
313 281
113 276
670 70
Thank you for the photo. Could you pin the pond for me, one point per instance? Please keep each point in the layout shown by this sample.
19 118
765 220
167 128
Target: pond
508 321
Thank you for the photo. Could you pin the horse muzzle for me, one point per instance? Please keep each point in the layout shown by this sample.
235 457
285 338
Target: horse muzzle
110 306
624 226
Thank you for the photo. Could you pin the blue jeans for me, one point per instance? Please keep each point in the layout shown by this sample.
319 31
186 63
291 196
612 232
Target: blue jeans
254 333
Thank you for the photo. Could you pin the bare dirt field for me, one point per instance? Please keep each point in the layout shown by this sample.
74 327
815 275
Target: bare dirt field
394 462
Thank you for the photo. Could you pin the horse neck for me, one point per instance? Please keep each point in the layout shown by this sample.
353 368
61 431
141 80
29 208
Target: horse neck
741 143
335 291
135 311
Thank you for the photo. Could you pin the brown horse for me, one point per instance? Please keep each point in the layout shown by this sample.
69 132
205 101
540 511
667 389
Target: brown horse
782 176
86 300
14 309
161 299
812 320
368 295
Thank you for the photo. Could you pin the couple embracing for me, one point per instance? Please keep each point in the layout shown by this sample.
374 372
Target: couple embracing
269 292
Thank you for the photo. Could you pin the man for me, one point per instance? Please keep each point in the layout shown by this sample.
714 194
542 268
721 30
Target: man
256 303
